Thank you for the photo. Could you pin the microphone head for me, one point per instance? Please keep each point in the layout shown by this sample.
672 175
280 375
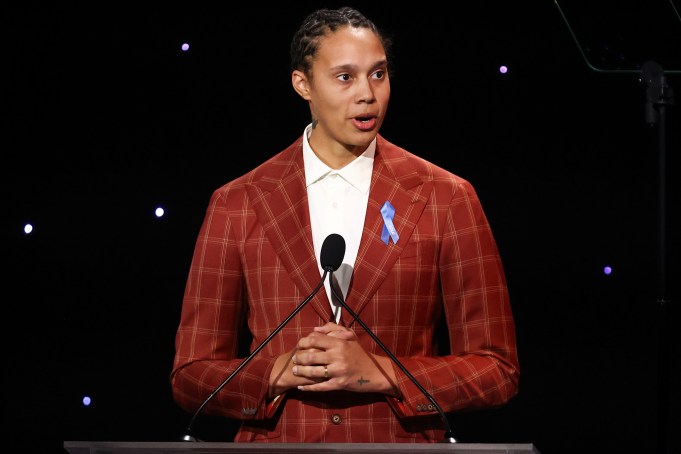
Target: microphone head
333 251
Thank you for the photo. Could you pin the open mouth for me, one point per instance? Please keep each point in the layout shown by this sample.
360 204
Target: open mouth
365 123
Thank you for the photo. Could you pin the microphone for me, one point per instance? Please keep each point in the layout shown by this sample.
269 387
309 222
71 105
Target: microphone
332 253
449 437
331 257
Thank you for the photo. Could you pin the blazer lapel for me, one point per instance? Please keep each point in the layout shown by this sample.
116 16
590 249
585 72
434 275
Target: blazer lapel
393 179
280 203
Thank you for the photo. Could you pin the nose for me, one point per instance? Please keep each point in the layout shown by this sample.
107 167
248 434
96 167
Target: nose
365 92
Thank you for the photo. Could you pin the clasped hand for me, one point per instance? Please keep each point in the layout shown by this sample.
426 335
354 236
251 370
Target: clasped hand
331 358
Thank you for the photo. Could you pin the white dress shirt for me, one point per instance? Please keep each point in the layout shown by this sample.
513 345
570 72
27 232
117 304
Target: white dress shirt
337 202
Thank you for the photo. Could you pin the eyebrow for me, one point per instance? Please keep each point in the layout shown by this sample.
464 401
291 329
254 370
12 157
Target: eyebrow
350 67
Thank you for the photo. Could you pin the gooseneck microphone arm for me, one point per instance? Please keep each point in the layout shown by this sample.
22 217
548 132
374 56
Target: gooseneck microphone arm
331 257
188 435
449 436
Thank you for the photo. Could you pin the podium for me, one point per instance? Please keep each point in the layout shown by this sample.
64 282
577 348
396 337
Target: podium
182 447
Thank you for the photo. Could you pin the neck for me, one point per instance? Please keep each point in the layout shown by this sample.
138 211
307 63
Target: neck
334 154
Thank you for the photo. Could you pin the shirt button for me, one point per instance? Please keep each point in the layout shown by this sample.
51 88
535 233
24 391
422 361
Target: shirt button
336 419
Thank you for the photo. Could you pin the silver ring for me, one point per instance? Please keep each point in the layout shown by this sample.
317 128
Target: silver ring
326 372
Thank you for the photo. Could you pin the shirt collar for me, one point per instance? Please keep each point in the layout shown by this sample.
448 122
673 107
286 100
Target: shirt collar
357 172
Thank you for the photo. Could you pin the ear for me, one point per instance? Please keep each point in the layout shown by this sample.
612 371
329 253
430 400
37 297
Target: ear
300 84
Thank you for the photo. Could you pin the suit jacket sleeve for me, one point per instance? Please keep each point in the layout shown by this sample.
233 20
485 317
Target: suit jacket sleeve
481 368
213 316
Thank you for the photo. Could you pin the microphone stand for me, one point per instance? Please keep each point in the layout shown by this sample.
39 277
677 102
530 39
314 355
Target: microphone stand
188 434
659 95
449 437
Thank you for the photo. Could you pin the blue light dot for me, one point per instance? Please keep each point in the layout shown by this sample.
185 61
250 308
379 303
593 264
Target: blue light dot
87 401
159 212
607 270
503 69
28 228
185 47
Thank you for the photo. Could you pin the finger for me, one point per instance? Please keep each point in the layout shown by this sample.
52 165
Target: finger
295 359
315 341
328 327
345 335
311 358
317 387
324 383
317 373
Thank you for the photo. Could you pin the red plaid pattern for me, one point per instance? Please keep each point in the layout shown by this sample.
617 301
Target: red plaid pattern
254 263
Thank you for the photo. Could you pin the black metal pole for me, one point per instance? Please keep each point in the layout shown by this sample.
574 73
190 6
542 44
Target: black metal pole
658 96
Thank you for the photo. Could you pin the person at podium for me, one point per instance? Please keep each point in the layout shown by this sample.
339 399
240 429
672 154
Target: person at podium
420 268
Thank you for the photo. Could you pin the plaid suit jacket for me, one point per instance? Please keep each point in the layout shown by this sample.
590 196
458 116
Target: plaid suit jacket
254 263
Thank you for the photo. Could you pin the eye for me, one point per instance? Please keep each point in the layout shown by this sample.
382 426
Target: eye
380 74
343 77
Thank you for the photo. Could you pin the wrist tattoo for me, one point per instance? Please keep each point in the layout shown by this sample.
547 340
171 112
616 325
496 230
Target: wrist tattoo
362 381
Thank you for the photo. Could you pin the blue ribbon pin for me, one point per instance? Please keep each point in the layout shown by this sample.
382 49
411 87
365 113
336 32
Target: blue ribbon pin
388 212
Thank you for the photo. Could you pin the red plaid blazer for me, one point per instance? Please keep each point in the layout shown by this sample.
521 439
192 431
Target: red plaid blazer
254 263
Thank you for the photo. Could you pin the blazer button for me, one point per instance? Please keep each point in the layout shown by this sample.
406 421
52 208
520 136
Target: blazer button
336 419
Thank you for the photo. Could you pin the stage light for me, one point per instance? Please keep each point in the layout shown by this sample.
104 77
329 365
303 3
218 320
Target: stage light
28 228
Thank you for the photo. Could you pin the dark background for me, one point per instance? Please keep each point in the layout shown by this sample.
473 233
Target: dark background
106 119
